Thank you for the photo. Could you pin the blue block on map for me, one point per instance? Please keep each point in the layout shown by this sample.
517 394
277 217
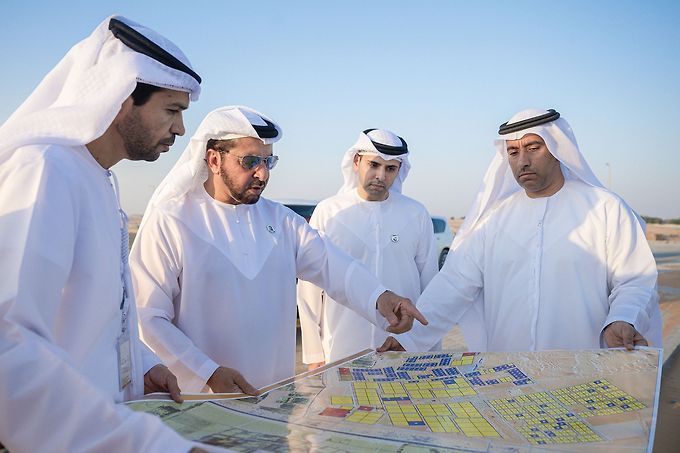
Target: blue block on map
416 423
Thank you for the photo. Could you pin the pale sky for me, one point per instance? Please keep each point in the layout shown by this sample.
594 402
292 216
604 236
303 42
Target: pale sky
442 74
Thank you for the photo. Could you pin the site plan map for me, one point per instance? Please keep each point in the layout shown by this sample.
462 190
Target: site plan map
595 401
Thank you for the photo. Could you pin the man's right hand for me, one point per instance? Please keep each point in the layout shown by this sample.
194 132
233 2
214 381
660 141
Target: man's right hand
228 380
314 366
391 344
399 312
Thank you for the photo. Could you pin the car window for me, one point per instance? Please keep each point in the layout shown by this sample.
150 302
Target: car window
303 210
439 225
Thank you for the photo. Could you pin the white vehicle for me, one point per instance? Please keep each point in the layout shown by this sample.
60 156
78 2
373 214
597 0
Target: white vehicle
443 237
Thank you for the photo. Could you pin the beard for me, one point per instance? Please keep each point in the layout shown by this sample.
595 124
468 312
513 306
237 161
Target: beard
137 138
242 194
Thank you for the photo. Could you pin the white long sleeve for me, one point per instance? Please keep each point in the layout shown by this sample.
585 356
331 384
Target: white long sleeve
550 273
60 317
215 285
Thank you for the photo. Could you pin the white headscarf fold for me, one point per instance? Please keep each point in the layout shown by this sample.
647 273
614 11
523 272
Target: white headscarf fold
79 98
364 145
191 171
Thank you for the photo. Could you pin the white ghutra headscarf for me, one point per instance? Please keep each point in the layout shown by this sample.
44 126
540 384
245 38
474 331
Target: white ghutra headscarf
224 123
79 98
379 142
499 182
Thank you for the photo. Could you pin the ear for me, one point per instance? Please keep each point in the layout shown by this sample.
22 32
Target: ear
357 158
214 161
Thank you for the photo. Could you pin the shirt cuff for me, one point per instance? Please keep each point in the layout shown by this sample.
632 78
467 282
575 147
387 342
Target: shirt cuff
204 373
632 315
378 319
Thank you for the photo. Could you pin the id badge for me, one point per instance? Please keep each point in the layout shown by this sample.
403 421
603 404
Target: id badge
124 360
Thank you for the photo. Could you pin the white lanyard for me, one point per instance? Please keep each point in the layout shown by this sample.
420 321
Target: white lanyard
124 344
124 245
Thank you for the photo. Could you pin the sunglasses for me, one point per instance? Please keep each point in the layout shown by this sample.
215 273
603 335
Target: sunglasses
250 161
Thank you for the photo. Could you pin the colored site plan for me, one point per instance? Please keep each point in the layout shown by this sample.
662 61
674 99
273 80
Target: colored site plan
581 401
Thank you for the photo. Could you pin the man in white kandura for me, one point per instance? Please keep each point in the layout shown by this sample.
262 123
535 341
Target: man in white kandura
214 264
371 220
69 348
547 257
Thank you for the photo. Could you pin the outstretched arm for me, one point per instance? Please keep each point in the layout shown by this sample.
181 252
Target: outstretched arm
348 281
